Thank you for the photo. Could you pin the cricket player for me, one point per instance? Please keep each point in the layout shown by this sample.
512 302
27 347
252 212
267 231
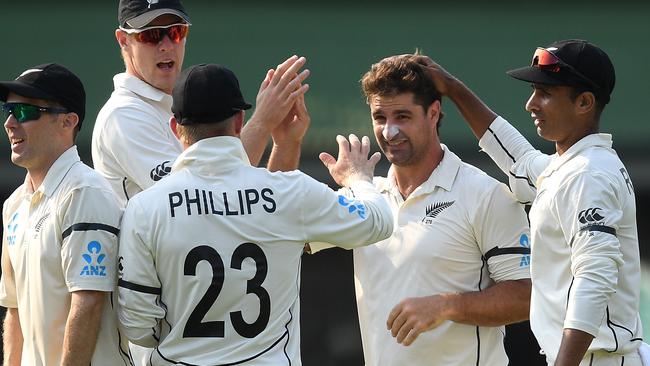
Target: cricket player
60 231
456 268
211 255
585 265
132 145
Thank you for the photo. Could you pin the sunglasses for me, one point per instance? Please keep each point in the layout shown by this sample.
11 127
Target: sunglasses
547 60
154 35
27 112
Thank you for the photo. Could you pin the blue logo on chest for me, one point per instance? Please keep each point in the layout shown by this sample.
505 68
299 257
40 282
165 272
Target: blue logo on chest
11 229
94 258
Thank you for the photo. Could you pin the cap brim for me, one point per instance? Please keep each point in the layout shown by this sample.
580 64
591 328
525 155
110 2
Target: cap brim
537 76
22 89
143 19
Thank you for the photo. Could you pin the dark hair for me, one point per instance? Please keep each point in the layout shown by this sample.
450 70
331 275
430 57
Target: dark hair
401 74
601 100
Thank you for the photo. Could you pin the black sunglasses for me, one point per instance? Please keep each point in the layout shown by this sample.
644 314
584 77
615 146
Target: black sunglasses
27 112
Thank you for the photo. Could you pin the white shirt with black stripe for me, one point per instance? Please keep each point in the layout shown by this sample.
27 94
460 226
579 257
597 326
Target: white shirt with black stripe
585 252
60 239
133 146
460 231
211 255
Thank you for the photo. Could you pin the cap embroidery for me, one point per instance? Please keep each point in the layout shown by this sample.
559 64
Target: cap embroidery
28 72
151 2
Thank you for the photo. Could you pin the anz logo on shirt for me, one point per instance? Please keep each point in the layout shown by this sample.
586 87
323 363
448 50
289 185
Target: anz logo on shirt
94 259
524 242
353 206
11 229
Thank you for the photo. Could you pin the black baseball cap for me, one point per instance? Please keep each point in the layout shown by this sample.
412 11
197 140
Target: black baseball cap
51 82
136 14
206 93
580 64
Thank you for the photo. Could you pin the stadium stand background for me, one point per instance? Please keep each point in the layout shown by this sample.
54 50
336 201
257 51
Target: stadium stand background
477 41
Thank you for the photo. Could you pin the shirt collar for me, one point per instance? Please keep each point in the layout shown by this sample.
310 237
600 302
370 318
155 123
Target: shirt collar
593 140
141 88
56 173
443 175
212 155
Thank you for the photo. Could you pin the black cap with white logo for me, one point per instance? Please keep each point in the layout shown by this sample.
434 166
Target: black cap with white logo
136 14
206 93
51 82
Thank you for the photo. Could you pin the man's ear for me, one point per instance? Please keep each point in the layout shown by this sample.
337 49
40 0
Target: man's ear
70 120
433 112
585 102
173 124
239 122
121 38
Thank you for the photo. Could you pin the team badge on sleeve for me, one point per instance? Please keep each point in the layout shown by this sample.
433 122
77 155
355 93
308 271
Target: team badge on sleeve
94 259
353 206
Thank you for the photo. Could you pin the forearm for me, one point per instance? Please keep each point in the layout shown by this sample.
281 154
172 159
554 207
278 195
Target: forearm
254 137
82 327
477 114
503 303
13 338
573 347
284 158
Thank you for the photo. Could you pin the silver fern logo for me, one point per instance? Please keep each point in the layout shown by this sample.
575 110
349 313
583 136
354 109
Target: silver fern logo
434 210
152 2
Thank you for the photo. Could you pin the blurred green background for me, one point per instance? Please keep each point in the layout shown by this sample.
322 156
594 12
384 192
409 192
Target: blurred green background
477 41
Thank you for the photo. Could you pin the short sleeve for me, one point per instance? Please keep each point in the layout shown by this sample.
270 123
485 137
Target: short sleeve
89 219
503 235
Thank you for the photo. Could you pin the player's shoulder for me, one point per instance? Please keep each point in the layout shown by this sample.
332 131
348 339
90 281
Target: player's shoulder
81 176
473 180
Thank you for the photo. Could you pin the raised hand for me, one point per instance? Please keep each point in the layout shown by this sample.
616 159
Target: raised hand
352 163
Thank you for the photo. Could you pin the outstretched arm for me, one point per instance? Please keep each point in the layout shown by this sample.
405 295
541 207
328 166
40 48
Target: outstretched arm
477 114
277 95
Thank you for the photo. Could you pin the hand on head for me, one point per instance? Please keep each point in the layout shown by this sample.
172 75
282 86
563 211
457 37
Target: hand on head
352 163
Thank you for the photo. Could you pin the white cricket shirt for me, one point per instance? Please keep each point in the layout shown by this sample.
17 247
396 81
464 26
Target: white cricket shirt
57 240
132 145
585 252
460 231
211 256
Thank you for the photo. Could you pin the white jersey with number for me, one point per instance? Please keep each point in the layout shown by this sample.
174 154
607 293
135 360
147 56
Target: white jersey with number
460 231
132 145
585 251
210 256
60 239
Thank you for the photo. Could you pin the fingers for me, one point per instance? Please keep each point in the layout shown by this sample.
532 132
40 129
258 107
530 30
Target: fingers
327 159
411 337
282 68
292 71
344 146
365 146
267 79
374 159
355 144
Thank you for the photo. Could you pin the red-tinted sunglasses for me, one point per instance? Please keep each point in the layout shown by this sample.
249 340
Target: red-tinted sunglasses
547 60
153 35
